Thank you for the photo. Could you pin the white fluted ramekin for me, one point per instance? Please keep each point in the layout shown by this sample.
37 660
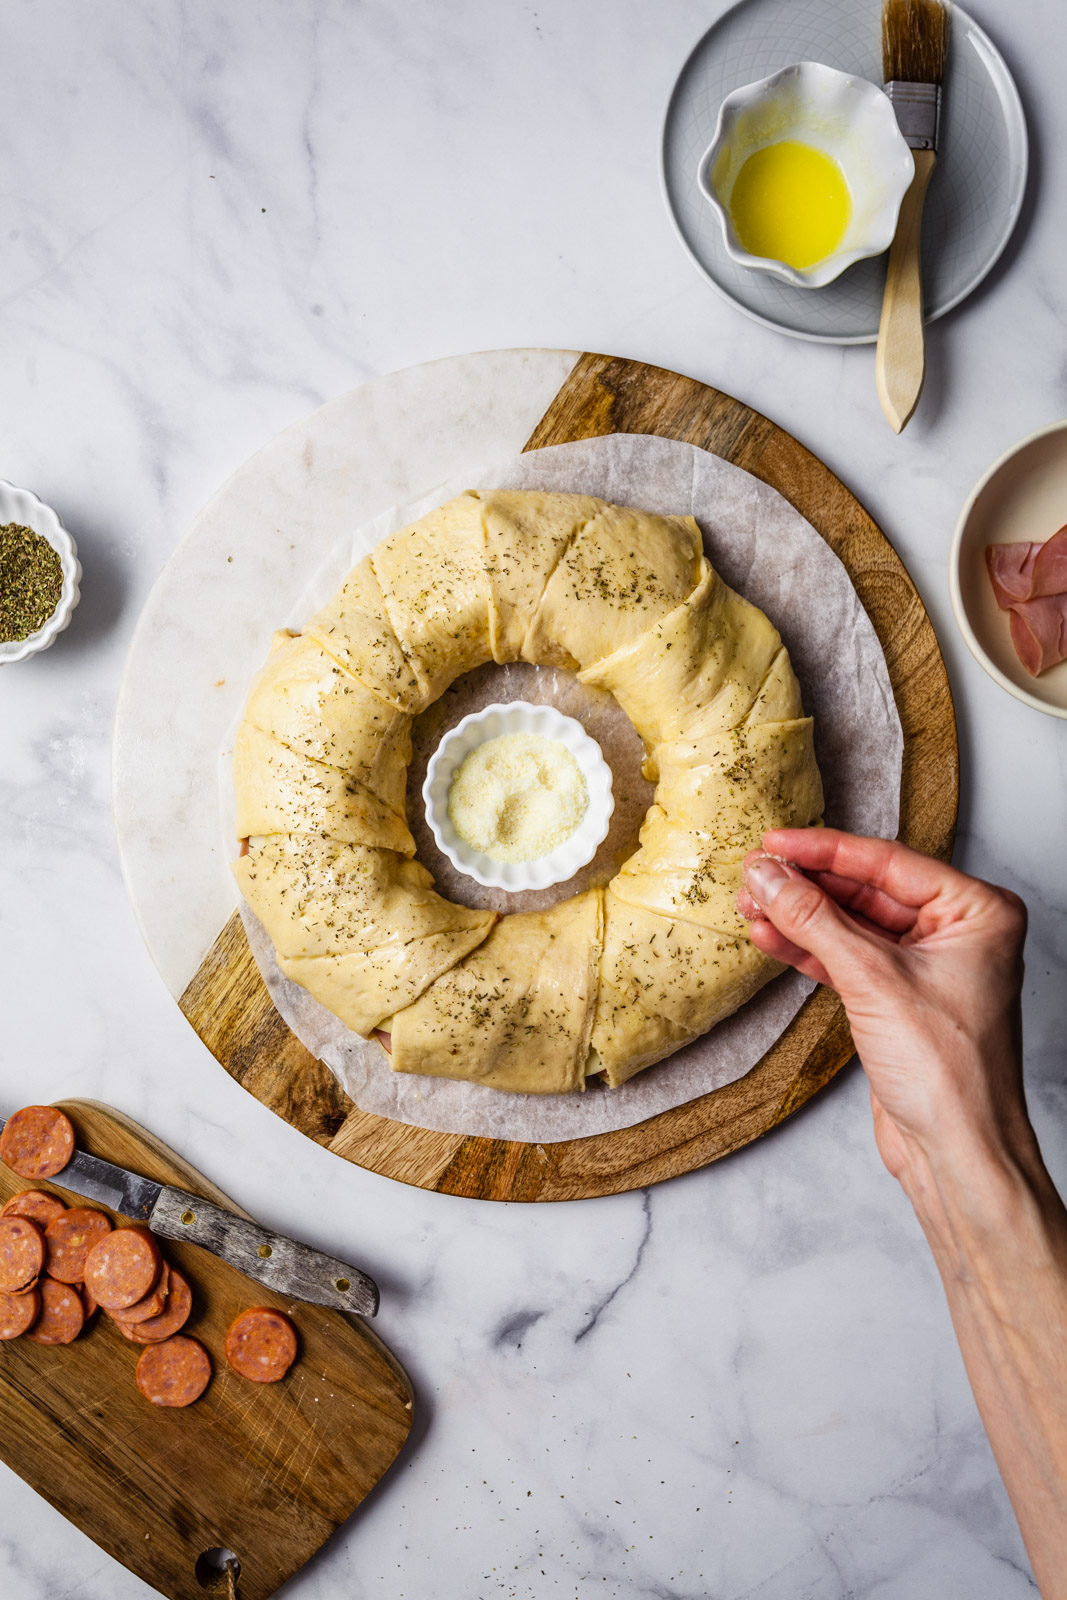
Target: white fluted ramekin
19 505
518 716
844 116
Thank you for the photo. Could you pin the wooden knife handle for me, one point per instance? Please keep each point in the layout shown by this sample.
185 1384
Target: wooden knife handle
900 364
281 1264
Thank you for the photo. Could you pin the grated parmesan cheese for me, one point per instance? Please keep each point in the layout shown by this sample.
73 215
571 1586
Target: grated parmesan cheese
517 797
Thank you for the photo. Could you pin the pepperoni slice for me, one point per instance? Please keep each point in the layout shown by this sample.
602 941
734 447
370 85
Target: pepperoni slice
122 1267
37 1142
62 1313
18 1312
89 1305
40 1207
175 1314
21 1253
152 1304
174 1373
261 1344
69 1239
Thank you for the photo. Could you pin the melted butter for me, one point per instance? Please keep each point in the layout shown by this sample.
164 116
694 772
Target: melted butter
517 797
791 202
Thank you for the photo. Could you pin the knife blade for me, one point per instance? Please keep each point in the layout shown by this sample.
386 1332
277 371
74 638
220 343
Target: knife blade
279 1263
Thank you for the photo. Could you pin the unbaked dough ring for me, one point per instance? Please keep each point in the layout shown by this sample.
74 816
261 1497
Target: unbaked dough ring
613 979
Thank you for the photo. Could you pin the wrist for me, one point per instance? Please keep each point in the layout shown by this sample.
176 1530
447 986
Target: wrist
973 1143
988 1209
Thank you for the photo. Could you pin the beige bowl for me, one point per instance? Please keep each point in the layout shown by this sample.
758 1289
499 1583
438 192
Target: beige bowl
1023 496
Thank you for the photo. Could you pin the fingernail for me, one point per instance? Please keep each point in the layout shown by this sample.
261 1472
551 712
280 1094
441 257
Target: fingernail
763 879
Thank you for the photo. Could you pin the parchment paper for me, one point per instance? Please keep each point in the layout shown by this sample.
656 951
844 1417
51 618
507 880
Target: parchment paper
768 552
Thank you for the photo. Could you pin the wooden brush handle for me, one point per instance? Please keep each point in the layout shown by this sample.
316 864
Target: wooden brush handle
900 365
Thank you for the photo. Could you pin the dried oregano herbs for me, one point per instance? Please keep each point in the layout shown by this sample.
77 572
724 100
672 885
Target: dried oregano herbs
31 581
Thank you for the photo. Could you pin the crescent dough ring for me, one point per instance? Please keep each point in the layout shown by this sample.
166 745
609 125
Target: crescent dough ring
613 979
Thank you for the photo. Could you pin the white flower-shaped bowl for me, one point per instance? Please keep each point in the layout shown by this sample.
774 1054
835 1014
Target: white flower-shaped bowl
19 505
850 120
518 716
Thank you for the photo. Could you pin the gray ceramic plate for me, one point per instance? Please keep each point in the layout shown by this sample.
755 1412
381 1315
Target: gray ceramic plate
974 199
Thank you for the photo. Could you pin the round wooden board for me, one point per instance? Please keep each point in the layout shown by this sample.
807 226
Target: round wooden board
229 1007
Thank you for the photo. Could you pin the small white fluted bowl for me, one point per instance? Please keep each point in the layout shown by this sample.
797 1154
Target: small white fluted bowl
518 716
846 117
19 505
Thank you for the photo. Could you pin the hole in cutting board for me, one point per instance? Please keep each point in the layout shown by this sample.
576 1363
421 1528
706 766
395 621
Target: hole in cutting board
212 1567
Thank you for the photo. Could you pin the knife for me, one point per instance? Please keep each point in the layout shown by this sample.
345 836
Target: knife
279 1263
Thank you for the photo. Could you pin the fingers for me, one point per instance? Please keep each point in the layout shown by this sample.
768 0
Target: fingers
818 932
765 937
849 895
874 907
900 890
907 876
886 935
746 905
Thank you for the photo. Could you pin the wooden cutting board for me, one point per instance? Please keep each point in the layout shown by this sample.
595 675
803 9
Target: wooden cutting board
229 1007
267 1471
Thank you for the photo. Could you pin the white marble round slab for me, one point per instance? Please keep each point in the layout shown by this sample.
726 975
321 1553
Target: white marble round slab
206 626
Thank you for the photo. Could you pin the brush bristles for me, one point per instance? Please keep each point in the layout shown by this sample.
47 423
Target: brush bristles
914 40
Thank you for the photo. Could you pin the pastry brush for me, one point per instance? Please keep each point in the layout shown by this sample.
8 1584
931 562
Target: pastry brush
914 46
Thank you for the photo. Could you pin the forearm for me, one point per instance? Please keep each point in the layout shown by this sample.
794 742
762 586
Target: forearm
928 963
998 1232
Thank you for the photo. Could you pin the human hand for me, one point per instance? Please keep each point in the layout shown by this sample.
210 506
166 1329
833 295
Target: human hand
928 964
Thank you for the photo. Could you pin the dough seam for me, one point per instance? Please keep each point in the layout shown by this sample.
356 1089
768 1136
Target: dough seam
483 583
349 777
347 670
561 555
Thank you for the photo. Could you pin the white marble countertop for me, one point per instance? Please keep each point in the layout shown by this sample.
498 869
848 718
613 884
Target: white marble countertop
743 1382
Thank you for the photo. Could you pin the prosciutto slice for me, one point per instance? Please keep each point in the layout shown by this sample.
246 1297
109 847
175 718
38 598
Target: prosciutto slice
1030 583
1050 566
1039 632
1011 571
1028 571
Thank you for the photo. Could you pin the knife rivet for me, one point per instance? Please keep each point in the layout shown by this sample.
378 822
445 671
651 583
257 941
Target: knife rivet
188 1216
265 1251
342 1284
